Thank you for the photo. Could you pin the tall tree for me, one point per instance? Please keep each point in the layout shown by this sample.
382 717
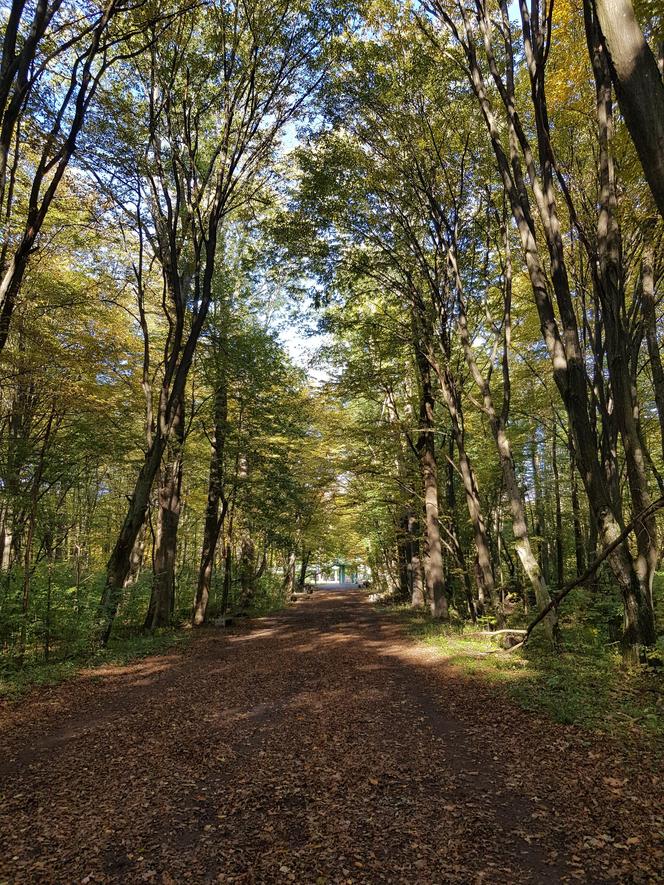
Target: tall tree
638 83
210 131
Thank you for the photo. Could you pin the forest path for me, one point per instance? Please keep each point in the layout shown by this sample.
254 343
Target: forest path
319 745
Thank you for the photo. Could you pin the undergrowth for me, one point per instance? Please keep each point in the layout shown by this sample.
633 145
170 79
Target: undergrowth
17 680
584 685
60 639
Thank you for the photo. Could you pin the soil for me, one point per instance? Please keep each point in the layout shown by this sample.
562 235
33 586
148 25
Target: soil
320 745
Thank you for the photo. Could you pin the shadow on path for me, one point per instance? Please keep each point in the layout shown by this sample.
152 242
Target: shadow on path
319 745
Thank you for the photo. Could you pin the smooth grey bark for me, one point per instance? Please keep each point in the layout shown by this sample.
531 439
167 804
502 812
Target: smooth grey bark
217 504
434 571
650 323
639 87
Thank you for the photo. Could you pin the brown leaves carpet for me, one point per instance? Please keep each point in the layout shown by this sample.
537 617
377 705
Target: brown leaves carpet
320 745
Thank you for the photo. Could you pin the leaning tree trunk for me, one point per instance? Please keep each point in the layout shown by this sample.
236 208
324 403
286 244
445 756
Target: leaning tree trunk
609 282
654 356
639 87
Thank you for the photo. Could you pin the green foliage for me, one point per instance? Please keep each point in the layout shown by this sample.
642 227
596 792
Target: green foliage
339 156
122 649
586 685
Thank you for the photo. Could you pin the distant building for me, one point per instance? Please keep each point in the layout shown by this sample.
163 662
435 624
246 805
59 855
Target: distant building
342 573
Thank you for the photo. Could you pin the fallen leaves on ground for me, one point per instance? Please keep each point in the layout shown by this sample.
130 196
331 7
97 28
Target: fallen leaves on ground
321 746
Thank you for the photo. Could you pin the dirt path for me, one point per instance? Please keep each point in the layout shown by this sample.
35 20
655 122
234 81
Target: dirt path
320 745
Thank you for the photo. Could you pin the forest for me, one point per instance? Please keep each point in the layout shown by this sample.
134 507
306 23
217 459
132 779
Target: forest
293 285
287 284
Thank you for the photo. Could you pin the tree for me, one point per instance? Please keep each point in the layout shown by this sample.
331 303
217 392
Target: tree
560 333
205 158
638 84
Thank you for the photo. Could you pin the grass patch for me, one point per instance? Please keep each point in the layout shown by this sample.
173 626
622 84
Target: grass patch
584 686
16 681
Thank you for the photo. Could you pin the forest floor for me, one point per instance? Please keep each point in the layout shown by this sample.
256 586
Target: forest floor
318 745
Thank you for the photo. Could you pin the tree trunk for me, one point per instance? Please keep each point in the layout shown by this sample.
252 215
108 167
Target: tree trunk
289 574
162 599
610 285
302 579
560 548
416 578
475 607
484 568
521 537
538 498
564 349
217 504
168 425
136 558
403 556
5 538
639 87
119 562
579 543
228 575
650 323
498 424
434 573
247 571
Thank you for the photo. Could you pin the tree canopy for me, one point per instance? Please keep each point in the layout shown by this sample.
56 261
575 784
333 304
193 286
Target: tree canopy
456 205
